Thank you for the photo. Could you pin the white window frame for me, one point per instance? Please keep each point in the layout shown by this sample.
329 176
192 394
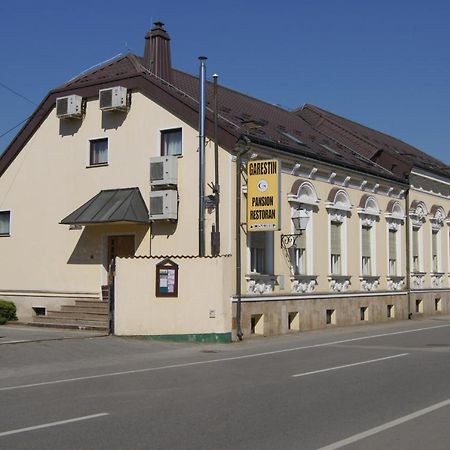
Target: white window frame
8 234
268 252
304 201
418 217
395 219
437 223
339 210
88 156
369 214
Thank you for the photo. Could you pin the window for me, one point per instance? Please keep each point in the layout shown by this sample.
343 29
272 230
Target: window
415 250
261 251
171 142
98 152
5 223
434 250
298 256
392 252
366 251
336 248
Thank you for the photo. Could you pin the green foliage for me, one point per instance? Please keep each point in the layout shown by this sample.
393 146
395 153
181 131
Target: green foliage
7 311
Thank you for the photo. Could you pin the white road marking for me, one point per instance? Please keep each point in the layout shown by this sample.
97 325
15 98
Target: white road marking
52 424
211 361
349 365
386 426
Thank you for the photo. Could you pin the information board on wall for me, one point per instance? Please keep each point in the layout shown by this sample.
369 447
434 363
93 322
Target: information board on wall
167 279
263 195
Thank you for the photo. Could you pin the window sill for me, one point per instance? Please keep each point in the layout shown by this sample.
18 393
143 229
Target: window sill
97 165
369 282
301 284
260 283
5 235
395 282
339 283
437 279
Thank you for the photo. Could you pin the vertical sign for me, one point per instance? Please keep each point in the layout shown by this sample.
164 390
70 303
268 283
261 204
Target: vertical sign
263 195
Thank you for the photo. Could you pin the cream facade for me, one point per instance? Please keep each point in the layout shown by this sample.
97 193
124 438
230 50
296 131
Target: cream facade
375 246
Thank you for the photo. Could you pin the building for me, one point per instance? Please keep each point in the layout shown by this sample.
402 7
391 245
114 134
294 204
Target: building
119 145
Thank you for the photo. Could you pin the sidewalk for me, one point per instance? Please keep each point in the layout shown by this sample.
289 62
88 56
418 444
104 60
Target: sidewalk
15 334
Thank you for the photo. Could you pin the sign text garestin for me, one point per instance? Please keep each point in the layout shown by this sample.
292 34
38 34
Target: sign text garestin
263 192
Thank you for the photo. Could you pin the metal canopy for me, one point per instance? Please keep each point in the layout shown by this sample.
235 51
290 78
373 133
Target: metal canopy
113 205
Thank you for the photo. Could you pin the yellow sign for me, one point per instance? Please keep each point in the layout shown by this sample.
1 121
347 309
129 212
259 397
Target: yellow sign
263 195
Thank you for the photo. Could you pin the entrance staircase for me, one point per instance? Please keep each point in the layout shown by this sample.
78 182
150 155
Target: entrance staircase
83 315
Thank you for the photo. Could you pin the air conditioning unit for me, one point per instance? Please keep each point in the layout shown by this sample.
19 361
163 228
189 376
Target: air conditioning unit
113 99
163 171
70 107
163 205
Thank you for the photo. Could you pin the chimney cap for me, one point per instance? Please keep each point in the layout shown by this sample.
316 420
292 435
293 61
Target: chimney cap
158 25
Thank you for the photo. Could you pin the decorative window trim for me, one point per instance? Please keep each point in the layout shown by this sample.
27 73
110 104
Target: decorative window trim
369 283
395 283
306 194
339 283
301 284
418 214
258 284
437 221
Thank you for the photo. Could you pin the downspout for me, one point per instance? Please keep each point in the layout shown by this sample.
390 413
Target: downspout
216 187
242 151
408 255
201 159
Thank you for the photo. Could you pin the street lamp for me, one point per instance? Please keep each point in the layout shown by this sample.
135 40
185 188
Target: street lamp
300 223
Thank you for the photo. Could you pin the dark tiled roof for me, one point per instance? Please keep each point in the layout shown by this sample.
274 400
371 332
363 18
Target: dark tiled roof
239 115
392 153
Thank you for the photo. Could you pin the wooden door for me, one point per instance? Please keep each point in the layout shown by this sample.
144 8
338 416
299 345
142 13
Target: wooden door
119 246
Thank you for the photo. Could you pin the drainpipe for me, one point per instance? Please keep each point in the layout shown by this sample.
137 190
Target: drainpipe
215 235
201 159
241 152
408 255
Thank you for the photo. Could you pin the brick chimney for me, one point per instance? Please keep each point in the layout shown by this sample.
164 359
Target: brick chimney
157 51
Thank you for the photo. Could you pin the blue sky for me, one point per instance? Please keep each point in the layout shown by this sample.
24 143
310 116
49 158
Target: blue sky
383 63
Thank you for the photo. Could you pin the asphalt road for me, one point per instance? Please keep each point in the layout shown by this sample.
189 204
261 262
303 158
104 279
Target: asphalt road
369 387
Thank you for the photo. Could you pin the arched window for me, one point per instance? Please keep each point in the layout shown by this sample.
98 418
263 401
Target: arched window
304 202
395 218
418 213
369 213
339 208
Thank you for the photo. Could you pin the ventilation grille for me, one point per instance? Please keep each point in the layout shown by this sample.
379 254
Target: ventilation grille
106 98
61 106
156 205
157 171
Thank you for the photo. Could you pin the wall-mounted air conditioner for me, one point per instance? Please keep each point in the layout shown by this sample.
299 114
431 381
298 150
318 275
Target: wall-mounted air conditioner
70 107
163 205
163 171
113 99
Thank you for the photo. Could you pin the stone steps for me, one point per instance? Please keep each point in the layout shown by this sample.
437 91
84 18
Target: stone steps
83 315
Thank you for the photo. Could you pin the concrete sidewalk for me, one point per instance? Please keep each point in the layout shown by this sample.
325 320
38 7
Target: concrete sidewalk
15 334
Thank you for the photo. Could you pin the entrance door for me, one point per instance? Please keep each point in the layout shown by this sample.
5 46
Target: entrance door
119 246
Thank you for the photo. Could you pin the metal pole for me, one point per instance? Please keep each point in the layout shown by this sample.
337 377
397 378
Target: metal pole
239 332
216 170
201 159
239 155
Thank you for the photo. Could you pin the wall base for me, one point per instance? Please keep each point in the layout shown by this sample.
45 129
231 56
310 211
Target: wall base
219 338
